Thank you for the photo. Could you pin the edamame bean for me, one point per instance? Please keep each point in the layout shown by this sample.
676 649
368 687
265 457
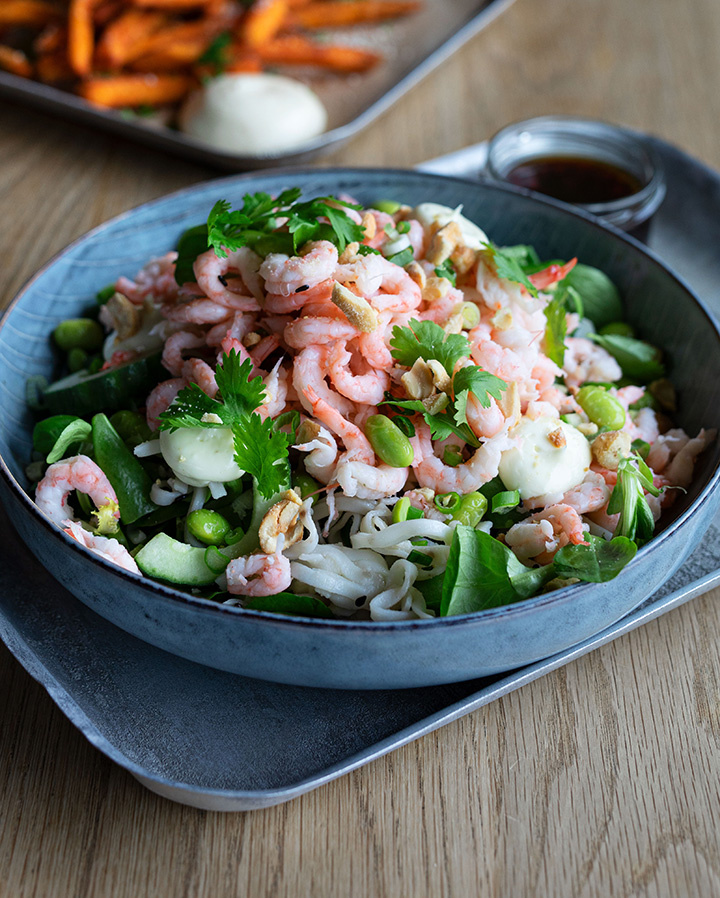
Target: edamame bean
621 328
131 427
601 408
470 315
471 510
388 206
79 333
210 527
306 485
388 441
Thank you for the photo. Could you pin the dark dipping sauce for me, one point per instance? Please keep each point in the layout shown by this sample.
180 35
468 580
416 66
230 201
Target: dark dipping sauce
575 179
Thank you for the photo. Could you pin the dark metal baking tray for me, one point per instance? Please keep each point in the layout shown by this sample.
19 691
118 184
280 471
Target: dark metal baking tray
411 47
223 742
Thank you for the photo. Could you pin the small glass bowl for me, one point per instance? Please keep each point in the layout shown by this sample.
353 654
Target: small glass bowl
554 137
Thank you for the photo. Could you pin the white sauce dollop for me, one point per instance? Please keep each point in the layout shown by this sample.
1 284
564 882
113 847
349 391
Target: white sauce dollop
429 214
253 114
200 455
536 466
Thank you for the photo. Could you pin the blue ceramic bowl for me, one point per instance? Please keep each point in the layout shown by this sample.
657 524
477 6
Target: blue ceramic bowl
343 654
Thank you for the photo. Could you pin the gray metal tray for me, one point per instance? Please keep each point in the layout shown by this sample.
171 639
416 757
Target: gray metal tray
411 47
222 742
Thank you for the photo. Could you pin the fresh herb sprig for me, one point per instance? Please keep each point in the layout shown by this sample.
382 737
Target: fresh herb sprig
268 224
428 341
260 449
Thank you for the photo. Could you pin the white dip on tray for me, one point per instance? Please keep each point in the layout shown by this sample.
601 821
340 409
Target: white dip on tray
253 114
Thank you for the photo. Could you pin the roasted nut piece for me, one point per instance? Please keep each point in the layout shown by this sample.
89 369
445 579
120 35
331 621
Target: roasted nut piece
435 288
509 403
418 381
125 316
444 243
251 339
440 376
502 320
281 518
557 438
463 259
422 380
349 254
356 309
369 225
609 448
417 273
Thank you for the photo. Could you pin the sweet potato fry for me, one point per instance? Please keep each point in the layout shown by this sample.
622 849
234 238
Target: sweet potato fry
294 49
126 37
171 5
34 13
53 68
344 13
136 90
50 39
177 46
15 61
263 21
107 10
81 36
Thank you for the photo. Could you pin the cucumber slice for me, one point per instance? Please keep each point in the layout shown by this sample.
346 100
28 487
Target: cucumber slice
167 559
82 393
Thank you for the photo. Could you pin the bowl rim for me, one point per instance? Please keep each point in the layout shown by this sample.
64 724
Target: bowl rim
168 593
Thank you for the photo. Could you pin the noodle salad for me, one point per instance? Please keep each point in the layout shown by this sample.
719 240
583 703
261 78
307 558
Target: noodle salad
373 413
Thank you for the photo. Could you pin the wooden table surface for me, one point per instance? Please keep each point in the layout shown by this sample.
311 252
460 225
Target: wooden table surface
600 779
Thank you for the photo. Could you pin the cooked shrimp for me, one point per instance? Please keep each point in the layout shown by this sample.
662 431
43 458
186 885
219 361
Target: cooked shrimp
258 574
484 422
357 445
172 357
156 280
211 273
160 400
384 284
263 349
196 311
590 495
584 360
304 332
284 275
196 371
542 534
551 275
309 370
282 305
680 470
77 473
464 478
107 548
238 327
367 388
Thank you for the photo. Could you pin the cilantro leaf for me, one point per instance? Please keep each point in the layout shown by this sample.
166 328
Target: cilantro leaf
555 330
507 265
480 383
217 54
427 340
442 424
241 394
188 408
262 451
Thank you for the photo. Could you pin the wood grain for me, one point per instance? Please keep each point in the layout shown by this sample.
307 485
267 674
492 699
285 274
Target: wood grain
600 779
